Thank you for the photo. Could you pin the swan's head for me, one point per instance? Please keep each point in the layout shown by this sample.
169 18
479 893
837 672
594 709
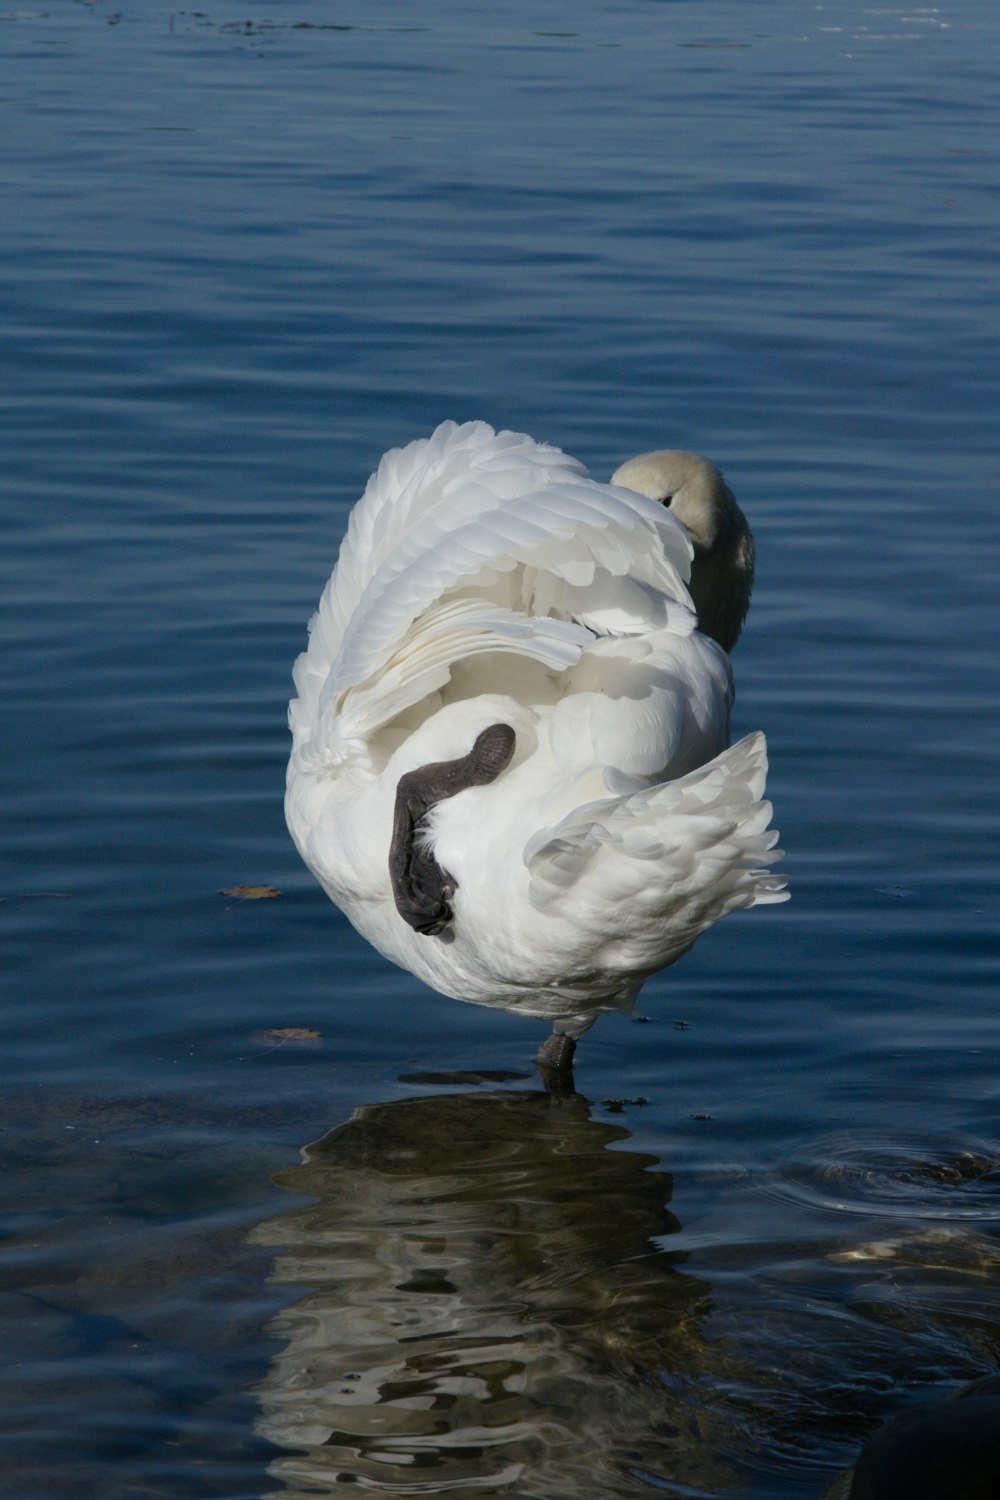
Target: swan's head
696 493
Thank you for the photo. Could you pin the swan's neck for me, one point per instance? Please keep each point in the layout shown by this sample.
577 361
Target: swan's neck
722 579
722 570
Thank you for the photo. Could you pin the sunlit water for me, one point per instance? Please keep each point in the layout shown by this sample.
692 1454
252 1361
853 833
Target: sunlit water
240 258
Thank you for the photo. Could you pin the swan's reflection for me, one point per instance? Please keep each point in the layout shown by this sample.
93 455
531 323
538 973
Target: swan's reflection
485 1308
488 1309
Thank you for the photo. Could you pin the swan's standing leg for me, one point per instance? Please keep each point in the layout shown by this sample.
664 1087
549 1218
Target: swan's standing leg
421 889
554 1060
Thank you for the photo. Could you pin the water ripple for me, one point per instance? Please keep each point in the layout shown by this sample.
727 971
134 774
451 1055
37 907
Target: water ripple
907 1176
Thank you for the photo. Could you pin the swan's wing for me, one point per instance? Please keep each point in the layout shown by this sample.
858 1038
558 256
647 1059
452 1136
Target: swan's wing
562 541
411 483
649 872
423 662
478 519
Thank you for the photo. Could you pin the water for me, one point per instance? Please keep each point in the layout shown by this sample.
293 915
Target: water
242 256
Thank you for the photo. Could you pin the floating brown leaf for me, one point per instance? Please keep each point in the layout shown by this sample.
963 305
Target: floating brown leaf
278 1036
252 892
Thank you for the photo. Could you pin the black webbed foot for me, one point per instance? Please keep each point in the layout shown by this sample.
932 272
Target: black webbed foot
421 888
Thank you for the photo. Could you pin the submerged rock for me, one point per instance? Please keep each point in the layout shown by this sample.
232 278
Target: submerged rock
948 1450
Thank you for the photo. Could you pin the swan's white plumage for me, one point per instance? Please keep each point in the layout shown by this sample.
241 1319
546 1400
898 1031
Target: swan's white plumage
485 579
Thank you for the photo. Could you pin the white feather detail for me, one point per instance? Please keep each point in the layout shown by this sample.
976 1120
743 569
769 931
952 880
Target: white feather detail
425 659
411 482
443 553
686 851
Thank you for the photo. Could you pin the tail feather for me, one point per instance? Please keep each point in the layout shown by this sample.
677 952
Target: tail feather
687 851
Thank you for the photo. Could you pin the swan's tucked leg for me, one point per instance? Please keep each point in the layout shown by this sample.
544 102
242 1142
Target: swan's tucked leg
421 889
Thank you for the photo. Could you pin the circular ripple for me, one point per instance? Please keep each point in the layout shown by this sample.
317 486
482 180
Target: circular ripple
905 1176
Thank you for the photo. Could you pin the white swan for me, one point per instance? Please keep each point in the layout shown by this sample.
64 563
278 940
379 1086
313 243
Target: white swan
509 763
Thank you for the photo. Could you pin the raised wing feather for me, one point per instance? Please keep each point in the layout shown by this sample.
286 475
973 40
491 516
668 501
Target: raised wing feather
411 482
446 554
423 663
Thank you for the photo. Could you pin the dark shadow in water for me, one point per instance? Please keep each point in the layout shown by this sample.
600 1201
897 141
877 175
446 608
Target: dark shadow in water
944 1450
487 1309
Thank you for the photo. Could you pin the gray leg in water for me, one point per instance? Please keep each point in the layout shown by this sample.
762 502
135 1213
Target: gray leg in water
554 1060
421 889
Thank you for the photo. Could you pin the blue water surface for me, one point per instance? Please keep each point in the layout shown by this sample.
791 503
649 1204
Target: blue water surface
243 254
